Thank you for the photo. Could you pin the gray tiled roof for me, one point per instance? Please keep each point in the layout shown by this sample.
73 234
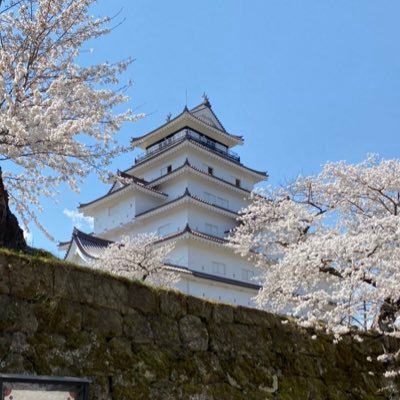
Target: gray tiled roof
192 112
92 247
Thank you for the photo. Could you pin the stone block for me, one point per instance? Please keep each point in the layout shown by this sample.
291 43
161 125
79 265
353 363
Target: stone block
143 298
120 352
137 328
208 367
166 332
17 316
74 284
199 307
59 315
250 316
111 293
193 333
4 275
222 313
30 281
102 321
173 304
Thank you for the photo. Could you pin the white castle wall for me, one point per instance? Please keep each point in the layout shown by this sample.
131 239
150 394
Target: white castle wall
157 167
200 159
162 224
174 187
222 170
220 261
113 214
209 222
216 291
202 188
120 212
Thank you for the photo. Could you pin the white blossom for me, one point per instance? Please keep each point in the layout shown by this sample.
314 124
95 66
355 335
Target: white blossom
328 247
140 257
56 117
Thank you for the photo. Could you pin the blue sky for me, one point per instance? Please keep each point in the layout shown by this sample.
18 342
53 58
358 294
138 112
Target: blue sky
305 82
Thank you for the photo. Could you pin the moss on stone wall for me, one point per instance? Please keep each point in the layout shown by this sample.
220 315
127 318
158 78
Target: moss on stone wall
137 342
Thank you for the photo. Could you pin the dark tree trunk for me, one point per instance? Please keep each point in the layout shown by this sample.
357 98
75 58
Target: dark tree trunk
11 235
388 314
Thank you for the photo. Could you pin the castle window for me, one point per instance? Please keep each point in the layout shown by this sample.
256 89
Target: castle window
247 274
166 170
218 268
237 182
210 170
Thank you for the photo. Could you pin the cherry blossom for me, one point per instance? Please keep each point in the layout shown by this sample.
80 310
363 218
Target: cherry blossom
57 120
140 257
329 246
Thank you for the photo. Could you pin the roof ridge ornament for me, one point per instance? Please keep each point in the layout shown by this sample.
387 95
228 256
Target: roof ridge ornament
206 100
168 117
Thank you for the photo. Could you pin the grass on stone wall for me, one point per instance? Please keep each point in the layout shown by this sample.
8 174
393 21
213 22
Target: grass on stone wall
39 256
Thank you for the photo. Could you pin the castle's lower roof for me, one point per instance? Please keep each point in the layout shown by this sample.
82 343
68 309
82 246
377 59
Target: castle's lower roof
92 247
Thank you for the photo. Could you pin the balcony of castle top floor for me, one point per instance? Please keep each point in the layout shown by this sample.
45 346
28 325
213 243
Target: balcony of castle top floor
188 134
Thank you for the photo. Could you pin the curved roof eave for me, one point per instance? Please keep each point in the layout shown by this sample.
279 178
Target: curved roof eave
79 238
210 277
188 196
192 232
224 136
264 174
109 194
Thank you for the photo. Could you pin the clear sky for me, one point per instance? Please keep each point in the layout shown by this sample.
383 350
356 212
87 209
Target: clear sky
305 81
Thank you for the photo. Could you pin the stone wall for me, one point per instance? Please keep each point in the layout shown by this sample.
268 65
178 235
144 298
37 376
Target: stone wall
136 342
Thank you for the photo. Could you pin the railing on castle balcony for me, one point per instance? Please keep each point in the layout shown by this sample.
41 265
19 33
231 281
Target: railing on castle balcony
188 134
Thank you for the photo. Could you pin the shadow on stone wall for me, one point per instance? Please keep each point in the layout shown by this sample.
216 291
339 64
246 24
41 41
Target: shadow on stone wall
137 342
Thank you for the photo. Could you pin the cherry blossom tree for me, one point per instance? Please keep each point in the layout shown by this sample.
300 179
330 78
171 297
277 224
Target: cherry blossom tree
140 257
328 246
57 119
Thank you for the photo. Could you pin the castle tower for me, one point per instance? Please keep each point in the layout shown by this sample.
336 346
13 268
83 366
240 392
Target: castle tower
187 186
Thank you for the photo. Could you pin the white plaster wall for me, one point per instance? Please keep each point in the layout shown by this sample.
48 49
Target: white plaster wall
152 169
200 219
197 217
145 202
227 172
114 213
121 211
179 255
199 186
202 256
200 159
174 187
216 291
176 220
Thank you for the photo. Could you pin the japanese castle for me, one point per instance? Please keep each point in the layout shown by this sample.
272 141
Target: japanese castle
187 186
